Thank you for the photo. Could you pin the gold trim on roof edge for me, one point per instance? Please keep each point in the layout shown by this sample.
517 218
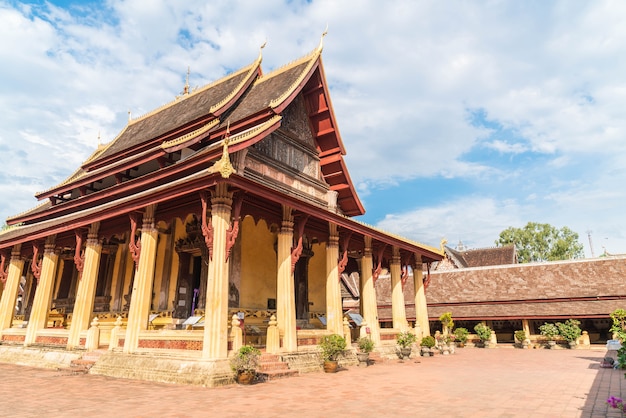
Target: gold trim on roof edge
190 135
237 89
43 203
312 57
247 134
178 99
399 237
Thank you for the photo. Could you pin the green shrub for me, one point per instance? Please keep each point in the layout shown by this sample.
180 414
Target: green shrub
520 335
246 359
332 346
366 345
570 330
460 335
428 341
549 330
483 332
405 339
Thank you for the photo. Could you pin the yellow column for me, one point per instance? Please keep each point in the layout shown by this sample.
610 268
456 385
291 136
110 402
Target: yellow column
43 294
86 292
369 305
398 311
141 297
285 294
9 295
421 310
215 345
334 311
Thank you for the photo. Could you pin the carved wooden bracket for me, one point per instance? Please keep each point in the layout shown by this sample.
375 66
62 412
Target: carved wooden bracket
34 265
134 247
207 228
379 267
427 280
344 259
404 272
297 251
233 229
79 255
3 272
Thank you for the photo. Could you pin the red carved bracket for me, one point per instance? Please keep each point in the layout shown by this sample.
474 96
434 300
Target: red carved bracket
233 229
79 256
134 247
3 272
379 267
404 273
427 281
207 228
34 265
297 251
344 259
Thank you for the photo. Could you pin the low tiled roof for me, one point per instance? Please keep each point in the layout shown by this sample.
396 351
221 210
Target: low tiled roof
481 257
528 289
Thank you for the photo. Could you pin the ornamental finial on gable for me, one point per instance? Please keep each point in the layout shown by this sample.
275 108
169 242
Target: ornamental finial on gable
321 45
186 89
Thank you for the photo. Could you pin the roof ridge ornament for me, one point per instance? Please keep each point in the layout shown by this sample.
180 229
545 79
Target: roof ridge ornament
321 45
223 165
186 88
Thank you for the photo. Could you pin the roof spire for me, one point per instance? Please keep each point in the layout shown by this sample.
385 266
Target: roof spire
321 45
99 143
129 117
186 89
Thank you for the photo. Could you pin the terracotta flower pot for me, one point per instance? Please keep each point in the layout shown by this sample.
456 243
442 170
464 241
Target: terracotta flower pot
331 366
245 378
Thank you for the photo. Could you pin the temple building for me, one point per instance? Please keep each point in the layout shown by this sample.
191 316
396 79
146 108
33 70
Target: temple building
221 218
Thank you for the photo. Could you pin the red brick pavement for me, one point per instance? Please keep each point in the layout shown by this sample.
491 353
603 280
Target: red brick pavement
474 382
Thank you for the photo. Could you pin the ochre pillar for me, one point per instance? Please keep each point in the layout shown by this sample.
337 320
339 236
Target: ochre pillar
141 298
215 345
285 293
9 295
86 293
398 310
421 310
334 310
369 305
43 294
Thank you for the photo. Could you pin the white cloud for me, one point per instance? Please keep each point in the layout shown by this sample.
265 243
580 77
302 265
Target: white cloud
402 79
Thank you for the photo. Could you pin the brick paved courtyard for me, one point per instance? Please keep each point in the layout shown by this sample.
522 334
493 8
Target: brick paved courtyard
502 382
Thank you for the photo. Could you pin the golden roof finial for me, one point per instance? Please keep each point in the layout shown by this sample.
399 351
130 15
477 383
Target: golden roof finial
186 89
99 143
319 48
129 117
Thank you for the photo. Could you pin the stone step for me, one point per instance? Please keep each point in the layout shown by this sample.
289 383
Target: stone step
266 376
272 365
265 357
94 355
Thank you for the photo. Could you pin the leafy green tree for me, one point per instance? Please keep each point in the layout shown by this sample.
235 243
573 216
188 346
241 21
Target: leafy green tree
542 242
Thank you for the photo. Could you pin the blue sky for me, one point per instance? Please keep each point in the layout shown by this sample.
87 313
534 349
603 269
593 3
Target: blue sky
460 119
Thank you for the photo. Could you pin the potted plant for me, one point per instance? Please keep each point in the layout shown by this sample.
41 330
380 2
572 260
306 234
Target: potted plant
446 322
484 333
366 345
405 340
570 331
332 347
428 342
460 336
520 338
550 331
244 363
